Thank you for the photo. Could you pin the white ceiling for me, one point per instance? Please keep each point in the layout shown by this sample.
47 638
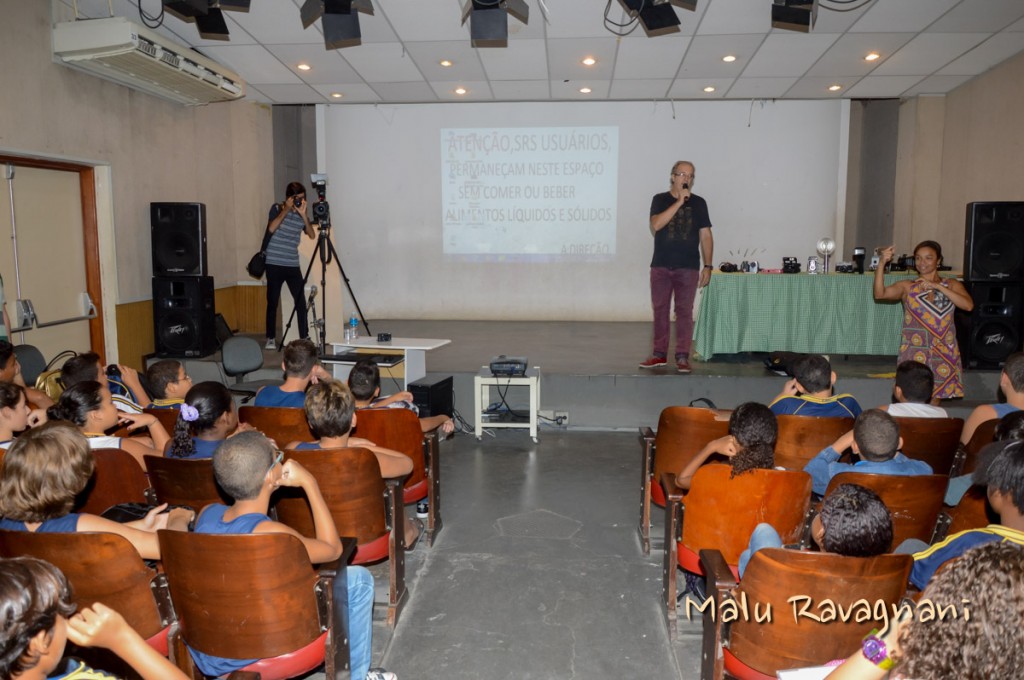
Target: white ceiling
926 47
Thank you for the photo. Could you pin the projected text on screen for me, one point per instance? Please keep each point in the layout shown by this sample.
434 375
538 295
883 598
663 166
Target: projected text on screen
529 193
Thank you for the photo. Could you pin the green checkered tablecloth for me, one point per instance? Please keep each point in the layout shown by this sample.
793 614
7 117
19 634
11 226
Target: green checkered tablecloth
819 313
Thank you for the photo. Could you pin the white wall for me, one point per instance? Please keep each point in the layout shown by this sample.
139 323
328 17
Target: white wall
771 174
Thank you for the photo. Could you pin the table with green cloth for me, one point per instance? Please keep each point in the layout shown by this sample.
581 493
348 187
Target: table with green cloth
813 313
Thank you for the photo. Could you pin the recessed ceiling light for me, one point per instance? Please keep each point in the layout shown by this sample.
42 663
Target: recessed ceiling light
446 63
589 61
872 56
304 67
834 88
460 90
337 95
729 58
585 90
709 88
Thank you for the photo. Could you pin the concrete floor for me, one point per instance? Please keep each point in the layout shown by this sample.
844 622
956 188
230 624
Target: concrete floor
538 573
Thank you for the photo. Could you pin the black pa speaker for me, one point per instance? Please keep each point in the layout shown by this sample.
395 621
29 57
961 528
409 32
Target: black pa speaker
433 396
178 239
994 242
992 331
184 323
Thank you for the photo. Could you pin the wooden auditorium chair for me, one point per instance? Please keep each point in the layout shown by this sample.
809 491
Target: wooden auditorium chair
967 460
755 649
682 433
933 440
721 514
915 502
399 429
168 417
972 512
801 438
118 478
178 481
253 596
363 504
104 568
283 425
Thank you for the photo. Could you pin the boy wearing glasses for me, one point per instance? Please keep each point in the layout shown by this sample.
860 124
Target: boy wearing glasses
169 383
682 236
249 469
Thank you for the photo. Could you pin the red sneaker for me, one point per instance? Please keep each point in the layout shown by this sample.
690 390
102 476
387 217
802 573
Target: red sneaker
653 362
683 366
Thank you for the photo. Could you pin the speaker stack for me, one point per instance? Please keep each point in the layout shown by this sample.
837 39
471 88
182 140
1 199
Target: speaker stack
994 276
184 323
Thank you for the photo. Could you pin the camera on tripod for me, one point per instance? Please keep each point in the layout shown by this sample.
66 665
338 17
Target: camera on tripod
321 209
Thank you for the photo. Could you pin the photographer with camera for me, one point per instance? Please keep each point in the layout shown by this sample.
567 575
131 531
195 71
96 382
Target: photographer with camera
287 222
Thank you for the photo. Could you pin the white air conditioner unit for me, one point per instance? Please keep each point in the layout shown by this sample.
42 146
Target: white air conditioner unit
117 49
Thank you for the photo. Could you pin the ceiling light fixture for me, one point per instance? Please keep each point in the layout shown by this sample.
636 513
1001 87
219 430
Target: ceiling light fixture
339 20
834 88
794 15
589 61
656 16
445 62
728 58
872 56
585 90
488 20
304 67
207 15
709 88
460 90
337 95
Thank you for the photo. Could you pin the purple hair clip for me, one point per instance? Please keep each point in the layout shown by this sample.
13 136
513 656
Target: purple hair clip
189 414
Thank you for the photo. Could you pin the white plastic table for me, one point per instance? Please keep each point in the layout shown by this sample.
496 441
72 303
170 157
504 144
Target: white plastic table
485 381
414 354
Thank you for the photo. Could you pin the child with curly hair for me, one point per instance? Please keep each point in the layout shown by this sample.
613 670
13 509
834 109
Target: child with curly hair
750 444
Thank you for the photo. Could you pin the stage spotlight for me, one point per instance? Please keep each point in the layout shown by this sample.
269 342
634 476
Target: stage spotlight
187 9
488 20
657 18
207 15
794 15
338 18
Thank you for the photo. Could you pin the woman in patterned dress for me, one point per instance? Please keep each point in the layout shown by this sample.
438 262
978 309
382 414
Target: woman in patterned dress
928 335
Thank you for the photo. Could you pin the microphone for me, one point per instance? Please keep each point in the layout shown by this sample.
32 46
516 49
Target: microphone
312 294
686 185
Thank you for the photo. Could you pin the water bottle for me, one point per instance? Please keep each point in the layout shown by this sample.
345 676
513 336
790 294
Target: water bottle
353 327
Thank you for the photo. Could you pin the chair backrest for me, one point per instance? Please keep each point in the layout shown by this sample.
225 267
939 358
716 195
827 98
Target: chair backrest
241 355
118 479
983 434
914 501
972 512
32 362
283 425
801 438
775 575
184 482
168 417
101 568
933 440
397 429
682 433
350 482
721 512
241 596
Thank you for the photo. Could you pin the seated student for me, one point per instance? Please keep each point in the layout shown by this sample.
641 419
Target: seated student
809 392
43 472
1003 474
912 391
749 445
15 414
10 371
989 582
364 381
302 368
128 393
875 437
89 406
39 618
1011 382
248 470
205 419
853 522
169 382
1010 426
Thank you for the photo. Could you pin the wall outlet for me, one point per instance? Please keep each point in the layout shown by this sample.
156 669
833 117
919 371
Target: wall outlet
562 418
552 417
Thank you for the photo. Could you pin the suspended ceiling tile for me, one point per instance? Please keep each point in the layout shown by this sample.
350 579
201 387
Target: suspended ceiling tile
327 66
995 50
978 16
937 85
759 88
382 63
521 60
353 93
565 58
927 53
685 88
639 58
292 94
704 57
901 16
788 54
882 86
846 56
465 61
254 63
405 92
476 91
640 88
521 90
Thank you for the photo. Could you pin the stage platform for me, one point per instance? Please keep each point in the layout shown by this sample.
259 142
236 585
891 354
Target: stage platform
590 370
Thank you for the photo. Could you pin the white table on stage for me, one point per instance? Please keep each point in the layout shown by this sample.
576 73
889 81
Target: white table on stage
485 380
414 354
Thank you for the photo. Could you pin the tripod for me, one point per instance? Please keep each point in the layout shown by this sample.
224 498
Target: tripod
327 253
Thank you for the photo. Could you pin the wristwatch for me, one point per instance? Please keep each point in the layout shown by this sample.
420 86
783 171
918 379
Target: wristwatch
875 651
708 266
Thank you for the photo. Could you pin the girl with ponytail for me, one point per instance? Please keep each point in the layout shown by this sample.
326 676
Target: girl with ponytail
206 419
750 444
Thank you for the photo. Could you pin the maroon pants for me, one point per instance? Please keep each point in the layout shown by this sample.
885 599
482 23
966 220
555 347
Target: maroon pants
664 284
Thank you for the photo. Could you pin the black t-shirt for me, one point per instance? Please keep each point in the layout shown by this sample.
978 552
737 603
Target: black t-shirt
677 244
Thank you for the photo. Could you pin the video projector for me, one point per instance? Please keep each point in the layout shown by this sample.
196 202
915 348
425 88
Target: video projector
508 367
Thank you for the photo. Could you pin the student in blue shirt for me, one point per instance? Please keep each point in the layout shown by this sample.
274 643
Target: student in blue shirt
809 393
301 366
875 437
